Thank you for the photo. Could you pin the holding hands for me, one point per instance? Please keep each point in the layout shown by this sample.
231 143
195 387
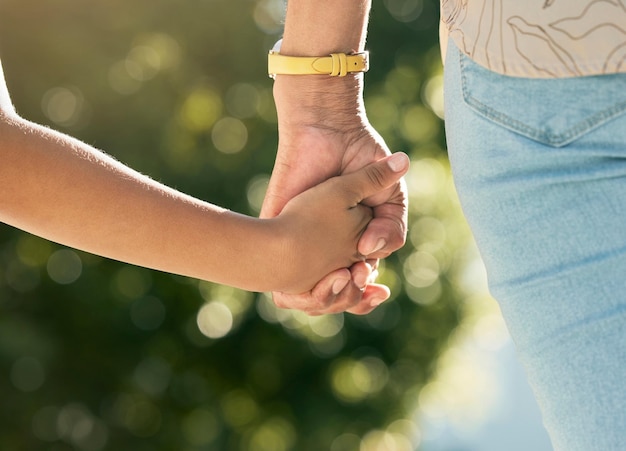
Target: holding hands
335 203
321 155
321 229
324 133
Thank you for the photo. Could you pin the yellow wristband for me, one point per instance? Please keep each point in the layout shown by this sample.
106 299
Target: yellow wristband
335 65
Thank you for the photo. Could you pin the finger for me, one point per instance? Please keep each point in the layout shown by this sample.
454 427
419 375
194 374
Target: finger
319 297
363 276
294 172
279 192
352 293
377 176
374 295
359 296
272 204
382 237
373 262
361 272
336 292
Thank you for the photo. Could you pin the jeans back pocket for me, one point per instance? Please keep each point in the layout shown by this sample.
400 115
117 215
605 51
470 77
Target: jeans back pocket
552 111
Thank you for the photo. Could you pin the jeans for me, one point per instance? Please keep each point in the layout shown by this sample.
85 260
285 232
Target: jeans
540 169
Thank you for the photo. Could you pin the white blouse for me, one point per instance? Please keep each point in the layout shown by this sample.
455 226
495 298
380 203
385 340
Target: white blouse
539 38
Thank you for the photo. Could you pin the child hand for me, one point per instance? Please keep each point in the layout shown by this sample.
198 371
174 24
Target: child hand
320 228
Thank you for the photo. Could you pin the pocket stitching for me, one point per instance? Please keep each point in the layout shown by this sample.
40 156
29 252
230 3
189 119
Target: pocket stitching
553 139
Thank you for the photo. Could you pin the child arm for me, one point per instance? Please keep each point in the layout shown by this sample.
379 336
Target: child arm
66 191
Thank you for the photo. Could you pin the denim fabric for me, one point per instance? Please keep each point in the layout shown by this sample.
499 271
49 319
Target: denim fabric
540 168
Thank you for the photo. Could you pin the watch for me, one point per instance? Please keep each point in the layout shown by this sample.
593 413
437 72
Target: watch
335 64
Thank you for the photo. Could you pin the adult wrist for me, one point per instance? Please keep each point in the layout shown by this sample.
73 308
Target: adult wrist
315 100
316 85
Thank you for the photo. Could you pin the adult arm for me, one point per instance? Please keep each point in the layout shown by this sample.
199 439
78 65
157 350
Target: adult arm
323 132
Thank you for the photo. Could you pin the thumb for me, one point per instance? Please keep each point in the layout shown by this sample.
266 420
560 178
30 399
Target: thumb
377 176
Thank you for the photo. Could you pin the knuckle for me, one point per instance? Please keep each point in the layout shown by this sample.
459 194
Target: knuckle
376 176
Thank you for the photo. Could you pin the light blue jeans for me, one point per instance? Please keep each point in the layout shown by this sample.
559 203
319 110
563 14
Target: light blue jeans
540 168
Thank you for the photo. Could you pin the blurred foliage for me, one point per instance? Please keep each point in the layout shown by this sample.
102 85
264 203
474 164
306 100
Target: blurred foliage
95 354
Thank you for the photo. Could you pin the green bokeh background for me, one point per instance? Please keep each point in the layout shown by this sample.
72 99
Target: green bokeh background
96 354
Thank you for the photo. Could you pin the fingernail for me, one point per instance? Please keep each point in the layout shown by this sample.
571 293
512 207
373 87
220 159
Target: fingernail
376 302
398 161
339 285
360 280
379 245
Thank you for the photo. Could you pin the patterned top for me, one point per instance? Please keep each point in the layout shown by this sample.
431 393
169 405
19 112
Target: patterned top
539 38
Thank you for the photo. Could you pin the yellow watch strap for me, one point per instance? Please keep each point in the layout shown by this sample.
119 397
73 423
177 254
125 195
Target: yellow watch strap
336 64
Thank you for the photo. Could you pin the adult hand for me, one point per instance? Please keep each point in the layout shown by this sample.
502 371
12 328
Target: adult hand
320 228
324 132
